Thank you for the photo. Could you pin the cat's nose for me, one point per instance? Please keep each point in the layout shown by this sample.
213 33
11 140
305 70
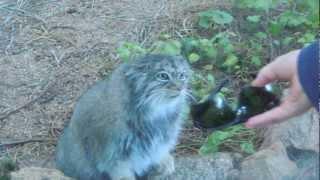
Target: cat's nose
176 86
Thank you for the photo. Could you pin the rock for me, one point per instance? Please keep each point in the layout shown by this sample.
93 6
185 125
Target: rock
271 163
216 167
302 132
35 173
307 161
290 150
302 157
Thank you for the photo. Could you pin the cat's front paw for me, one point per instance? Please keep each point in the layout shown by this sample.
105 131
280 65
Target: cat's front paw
167 165
164 168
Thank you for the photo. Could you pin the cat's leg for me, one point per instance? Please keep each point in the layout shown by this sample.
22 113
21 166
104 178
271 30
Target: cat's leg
122 171
164 168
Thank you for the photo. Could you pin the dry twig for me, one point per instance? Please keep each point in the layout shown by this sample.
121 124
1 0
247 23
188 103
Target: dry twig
9 113
24 141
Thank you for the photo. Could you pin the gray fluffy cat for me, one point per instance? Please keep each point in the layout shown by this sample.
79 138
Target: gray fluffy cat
127 125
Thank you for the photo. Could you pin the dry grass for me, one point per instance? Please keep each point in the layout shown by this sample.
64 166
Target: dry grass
52 51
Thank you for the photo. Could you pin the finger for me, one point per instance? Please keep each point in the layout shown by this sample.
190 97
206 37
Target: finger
276 115
265 76
282 68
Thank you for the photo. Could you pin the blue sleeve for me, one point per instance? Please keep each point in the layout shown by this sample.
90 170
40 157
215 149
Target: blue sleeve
308 71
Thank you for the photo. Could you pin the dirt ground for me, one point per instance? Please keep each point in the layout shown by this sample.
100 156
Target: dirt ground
51 51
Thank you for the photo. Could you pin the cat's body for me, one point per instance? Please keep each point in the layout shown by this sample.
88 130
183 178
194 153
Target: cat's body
125 125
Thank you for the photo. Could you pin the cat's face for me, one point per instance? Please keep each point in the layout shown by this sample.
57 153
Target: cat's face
162 78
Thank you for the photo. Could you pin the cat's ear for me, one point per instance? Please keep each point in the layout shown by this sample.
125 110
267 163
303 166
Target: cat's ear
186 64
141 67
134 70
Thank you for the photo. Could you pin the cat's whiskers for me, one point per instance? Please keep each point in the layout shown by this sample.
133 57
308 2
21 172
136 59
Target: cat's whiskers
188 93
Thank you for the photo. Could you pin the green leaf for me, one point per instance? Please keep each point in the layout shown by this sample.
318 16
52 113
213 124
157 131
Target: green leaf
261 35
205 22
291 19
231 61
206 48
189 44
193 57
213 142
253 19
169 47
205 43
307 38
275 28
257 4
208 67
219 137
210 17
256 61
247 147
219 36
224 41
263 4
286 41
313 16
211 80
129 50
124 54
222 17
210 52
228 48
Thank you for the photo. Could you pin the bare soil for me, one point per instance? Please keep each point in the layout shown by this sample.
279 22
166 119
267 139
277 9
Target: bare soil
51 51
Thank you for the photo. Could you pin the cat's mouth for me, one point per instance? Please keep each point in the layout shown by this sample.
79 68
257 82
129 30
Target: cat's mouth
174 93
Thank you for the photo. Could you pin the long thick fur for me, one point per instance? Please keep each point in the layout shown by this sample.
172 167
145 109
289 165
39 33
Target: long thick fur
126 119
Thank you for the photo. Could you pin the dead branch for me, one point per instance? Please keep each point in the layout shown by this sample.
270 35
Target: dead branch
9 113
24 141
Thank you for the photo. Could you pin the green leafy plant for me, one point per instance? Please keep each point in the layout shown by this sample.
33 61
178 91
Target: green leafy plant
193 57
247 147
217 138
292 19
211 17
196 49
265 5
254 19
169 46
129 50
306 38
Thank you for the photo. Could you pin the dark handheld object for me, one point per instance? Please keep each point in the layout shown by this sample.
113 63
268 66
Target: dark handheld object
215 113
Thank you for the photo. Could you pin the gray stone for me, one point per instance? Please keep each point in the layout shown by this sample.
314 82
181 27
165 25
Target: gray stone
290 150
220 166
271 163
301 132
35 173
307 161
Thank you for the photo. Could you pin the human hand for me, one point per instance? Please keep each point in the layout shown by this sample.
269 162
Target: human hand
283 68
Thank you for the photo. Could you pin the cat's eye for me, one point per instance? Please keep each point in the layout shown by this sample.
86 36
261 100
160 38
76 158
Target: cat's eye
163 76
